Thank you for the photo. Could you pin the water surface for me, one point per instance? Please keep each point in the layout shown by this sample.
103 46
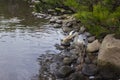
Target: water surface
22 39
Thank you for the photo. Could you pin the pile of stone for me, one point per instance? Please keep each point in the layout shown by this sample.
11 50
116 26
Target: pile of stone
41 15
67 23
82 56
90 61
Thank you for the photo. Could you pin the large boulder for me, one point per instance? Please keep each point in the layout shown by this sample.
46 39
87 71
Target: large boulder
110 51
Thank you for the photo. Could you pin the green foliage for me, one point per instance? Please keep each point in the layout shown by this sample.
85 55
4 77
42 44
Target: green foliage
97 30
99 16
101 19
72 3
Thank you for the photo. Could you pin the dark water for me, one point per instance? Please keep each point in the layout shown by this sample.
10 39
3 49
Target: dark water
22 39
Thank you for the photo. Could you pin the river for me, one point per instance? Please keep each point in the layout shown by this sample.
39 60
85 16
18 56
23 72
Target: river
23 38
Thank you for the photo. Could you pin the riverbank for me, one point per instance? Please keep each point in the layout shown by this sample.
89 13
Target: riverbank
78 59
83 56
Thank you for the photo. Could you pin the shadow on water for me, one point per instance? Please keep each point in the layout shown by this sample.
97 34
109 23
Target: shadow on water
23 38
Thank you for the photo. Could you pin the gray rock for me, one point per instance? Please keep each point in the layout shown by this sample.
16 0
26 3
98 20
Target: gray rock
64 71
77 76
91 39
87 60
89 69
87 34
67 60
53 19
78 60
56 25
74 56
82 29
59 47
66 29
74 51
59 21
51 11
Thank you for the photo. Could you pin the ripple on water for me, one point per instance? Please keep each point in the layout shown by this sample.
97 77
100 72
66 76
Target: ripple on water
22 39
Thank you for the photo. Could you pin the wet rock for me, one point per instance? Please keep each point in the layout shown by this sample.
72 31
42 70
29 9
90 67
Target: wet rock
59 21
89 69
82 29
87 34
87 60
56 25
67 60
110 51
94 46
51 11
77 76
53 19
78 60
48 17
63 16
78 67
74 57
74 51
64 71
53 67
65 44
91 39
59 47
68 24
67 29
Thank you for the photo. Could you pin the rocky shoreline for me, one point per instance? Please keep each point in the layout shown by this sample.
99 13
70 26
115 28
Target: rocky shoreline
81 53
80 58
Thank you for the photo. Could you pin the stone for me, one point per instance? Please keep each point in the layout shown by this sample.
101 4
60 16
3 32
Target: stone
66 44
93 47
78 67
109 51
59 47
64 71
56 25
63 16
59 21
53 19
89 69
87 60
78 60
66 29
67 60
77 76
87 34
51 11
91 39
82 29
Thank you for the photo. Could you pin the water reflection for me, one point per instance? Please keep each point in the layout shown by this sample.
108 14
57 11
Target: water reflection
22 39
